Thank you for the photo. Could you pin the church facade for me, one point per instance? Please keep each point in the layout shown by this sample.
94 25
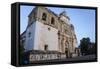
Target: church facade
49 34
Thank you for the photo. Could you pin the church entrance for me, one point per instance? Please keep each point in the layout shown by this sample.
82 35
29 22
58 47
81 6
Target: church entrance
66 52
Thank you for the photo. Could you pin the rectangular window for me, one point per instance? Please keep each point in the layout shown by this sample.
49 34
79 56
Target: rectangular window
29 34
46 47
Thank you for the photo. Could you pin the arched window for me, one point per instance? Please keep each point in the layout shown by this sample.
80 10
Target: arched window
52 21
44 16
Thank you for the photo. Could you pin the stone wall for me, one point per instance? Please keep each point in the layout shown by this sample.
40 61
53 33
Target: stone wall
38 57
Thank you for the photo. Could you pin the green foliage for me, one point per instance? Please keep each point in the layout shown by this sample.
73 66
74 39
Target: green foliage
87 47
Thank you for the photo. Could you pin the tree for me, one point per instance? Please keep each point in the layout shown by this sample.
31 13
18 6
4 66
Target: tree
84 45
92 48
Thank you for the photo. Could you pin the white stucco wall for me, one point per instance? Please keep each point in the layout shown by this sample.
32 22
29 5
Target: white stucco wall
30 40
43 36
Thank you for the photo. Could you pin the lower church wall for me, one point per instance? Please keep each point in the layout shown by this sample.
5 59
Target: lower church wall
38 57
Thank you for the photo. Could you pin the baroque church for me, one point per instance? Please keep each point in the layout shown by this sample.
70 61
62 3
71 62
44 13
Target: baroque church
48 35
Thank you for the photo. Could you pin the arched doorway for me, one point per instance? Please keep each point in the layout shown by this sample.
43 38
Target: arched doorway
66 52
67 49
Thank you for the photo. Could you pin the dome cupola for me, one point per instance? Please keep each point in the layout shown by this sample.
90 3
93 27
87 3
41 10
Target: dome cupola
63 16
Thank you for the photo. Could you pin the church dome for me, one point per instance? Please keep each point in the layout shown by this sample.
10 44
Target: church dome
63 13
63 16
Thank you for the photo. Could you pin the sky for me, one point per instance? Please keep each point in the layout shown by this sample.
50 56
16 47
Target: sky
82 19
